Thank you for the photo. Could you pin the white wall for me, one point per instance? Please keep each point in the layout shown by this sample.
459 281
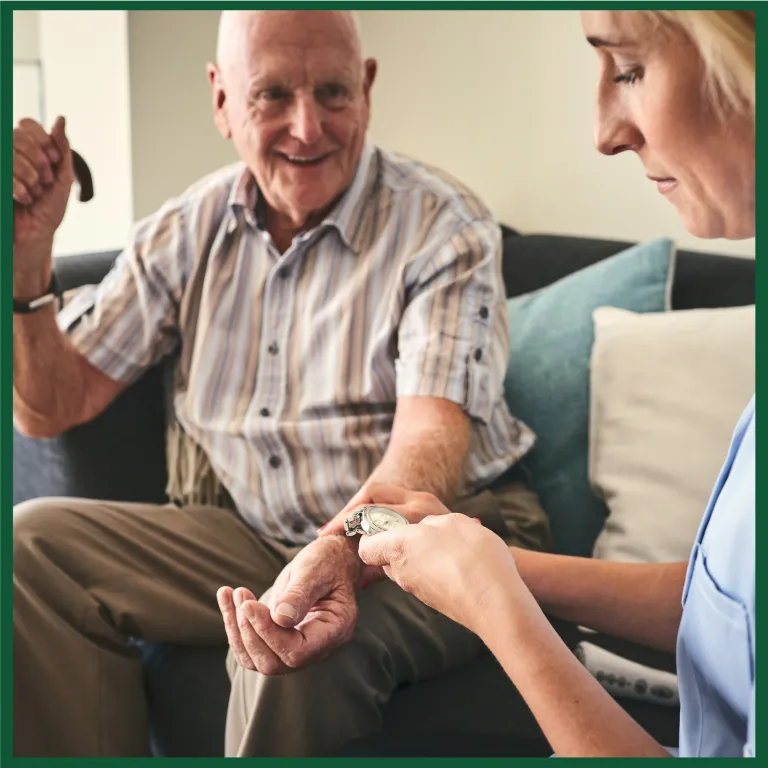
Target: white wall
25 35
174 141
27 71
85 67
503 99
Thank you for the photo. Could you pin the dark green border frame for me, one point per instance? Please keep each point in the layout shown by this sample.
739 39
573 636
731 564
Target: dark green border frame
6 358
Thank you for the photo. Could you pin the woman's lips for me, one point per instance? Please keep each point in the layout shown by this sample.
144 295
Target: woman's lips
664 184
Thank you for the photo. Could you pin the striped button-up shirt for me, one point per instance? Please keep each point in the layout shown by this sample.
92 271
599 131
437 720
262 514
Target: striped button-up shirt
288 365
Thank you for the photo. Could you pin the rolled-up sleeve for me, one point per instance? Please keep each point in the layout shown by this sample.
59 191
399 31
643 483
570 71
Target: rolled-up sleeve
453 339
129 321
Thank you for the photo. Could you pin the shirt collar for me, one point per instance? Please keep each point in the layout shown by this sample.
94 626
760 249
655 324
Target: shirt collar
346 216
244 196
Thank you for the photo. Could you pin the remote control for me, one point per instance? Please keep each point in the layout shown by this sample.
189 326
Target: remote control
622 677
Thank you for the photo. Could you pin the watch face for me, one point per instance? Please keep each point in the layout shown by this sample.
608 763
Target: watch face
384 519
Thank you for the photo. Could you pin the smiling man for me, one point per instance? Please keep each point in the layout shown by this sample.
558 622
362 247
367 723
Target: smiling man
335 318
295 100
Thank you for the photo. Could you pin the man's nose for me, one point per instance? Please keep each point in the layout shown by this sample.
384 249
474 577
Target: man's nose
306 119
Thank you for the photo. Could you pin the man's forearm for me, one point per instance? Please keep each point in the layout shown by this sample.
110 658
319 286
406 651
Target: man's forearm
636 601
436 469
428 447
577 716
47 376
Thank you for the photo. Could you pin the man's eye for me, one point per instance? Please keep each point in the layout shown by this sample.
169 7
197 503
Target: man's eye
332 95
630 77
273 94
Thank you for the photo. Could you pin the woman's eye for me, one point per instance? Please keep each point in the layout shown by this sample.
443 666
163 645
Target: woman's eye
630 77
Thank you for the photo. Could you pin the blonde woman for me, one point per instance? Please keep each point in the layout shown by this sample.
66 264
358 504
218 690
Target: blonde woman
677 88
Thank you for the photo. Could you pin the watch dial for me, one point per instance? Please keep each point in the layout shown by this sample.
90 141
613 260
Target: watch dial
385 519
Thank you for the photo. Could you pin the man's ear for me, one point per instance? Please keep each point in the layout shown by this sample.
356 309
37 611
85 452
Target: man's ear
219 98
371 67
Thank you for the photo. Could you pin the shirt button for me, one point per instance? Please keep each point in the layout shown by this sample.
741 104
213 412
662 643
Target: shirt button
273 348
264 412
274 462
299 526
483 312
284 273
478 354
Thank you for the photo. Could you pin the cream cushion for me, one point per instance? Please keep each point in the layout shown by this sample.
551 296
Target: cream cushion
666 392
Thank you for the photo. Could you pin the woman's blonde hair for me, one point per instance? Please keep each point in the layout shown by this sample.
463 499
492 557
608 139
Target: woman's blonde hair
726 42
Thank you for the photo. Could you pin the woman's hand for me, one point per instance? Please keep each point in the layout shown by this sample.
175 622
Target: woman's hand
414 506
452 564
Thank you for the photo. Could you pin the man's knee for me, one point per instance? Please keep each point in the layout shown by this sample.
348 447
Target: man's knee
39 524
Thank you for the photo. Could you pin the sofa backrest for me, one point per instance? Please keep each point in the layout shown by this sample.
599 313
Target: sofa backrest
701 280
534 261
121 454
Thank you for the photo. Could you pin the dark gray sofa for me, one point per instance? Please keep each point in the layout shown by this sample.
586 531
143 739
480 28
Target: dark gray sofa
473 711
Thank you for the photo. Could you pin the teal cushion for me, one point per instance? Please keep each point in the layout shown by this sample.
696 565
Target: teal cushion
547 381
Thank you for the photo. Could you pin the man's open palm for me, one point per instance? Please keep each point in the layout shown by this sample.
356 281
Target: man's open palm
312 610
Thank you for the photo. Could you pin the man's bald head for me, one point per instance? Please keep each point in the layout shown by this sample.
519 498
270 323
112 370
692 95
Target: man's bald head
240 32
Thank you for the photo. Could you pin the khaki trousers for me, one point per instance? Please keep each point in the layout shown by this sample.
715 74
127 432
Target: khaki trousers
91 575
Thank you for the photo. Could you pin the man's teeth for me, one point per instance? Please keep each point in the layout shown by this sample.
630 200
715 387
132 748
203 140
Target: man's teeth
304 160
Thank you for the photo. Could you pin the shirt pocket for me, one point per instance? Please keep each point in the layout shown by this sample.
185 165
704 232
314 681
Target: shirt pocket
717 642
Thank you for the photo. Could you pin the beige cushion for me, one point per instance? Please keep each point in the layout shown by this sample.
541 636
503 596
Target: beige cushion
667 390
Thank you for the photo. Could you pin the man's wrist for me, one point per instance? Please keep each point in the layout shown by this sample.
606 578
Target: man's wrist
32 269
365 574
353 544
350 546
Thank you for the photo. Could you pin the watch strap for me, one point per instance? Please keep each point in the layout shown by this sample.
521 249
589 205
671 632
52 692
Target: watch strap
53 294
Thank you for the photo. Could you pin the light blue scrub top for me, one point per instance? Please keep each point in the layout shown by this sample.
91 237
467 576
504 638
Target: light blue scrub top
716 642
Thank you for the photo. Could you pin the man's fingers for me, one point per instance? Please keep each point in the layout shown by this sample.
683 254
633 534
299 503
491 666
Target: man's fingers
59 135
36 131
24 170
228 610
46 142
61 145
265 659
241 594
296 646
284 644
21 193
30 149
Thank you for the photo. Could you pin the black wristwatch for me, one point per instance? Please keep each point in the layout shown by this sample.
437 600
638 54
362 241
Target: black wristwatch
51 295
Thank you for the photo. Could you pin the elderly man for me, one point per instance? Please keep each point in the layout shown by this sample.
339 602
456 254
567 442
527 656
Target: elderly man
335 318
